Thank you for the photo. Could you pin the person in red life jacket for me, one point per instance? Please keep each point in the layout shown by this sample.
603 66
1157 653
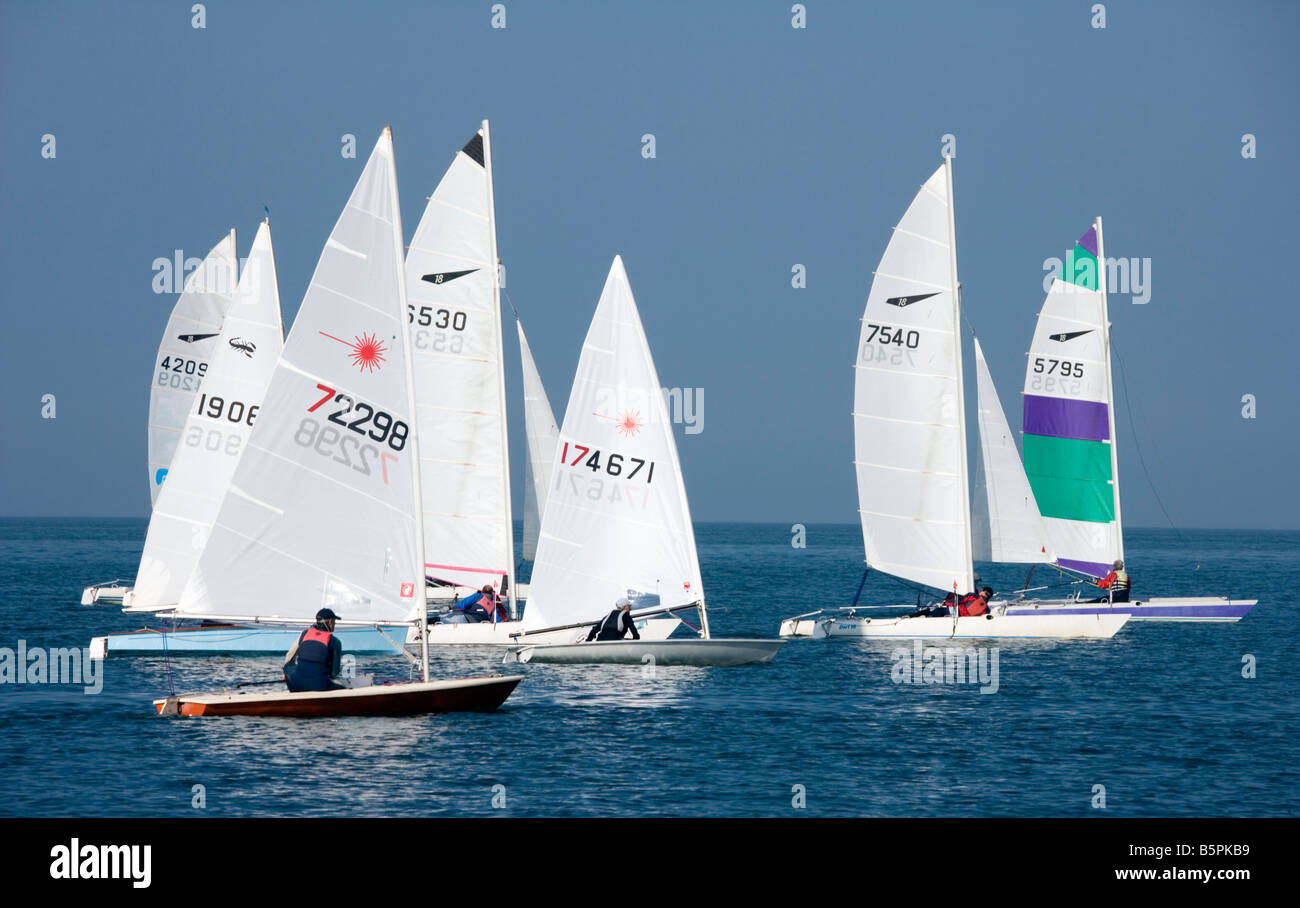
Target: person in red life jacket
616 624
316 659
973 604
480 606
1116 582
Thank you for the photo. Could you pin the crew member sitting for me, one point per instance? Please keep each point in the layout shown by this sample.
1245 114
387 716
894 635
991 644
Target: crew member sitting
1117 582
975 604
316 658
616 624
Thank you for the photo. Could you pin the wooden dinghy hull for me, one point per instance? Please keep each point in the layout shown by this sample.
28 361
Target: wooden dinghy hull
403 699
690 651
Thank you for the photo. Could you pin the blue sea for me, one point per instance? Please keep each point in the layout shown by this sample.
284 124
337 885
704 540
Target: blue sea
1159 721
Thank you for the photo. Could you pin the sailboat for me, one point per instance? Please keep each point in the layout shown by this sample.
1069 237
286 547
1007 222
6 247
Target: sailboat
454 312
213 437
616 522
909 420
324 509
1063 507
184 355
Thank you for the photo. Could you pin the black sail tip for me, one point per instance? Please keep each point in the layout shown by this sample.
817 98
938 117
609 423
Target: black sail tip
474 148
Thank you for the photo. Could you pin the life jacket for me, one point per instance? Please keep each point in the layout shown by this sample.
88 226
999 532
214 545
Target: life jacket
315 646
1121 580
971 604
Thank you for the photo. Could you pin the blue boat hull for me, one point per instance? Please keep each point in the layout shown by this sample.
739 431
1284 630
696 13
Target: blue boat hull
250 640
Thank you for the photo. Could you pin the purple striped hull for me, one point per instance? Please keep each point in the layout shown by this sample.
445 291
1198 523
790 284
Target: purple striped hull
1139 610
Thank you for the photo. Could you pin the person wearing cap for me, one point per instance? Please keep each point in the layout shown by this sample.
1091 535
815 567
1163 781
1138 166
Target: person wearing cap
1116 583
616 624
316 659
973 604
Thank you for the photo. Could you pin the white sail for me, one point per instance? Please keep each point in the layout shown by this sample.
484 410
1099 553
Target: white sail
541 433
1015 529
908 413
616 521
322 509
215 433
183 356
455 323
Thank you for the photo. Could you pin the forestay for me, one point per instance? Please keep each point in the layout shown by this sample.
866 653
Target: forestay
455 323
541 433
183 356
1013 530
322 507
616 521
908 414
215 432
1068 418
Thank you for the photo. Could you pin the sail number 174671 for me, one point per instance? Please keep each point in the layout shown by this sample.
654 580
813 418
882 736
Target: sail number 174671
614 464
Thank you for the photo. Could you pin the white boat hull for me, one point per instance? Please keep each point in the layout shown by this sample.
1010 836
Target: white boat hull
687 651
112 593
979 627
486 633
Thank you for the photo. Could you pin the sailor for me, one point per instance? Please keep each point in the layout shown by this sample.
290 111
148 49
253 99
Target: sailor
973 604
1116 582
616 624
480 606
316 658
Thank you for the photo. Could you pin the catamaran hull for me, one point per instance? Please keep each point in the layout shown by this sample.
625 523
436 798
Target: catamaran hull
1196 608
712 651
232 639
404 699
112 593
486 634
1036 625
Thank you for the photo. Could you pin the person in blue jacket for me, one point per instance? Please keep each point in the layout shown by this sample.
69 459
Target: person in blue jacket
315 660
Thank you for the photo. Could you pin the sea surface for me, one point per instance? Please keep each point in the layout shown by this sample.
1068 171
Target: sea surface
1161 720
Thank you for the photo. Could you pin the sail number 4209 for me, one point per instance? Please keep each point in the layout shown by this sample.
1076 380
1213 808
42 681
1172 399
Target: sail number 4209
614 464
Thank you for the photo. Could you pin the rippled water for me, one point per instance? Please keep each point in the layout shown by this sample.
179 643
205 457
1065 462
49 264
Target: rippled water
1160 715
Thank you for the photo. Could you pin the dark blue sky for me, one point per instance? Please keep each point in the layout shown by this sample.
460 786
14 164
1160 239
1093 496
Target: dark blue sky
775 146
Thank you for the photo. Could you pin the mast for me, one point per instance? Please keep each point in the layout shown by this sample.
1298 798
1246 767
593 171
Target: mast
968 560
1110 391
422 605
501 374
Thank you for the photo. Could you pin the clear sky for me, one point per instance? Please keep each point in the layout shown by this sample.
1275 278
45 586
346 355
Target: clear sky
774 146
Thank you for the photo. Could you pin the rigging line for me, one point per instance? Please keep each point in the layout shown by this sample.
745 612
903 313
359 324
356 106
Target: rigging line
1182 541
511 303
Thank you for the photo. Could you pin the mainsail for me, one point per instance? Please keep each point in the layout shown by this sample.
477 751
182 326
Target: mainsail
322 510
541 433
215 433
1015 530
616 521
454 313
187 345
1069 421
908 413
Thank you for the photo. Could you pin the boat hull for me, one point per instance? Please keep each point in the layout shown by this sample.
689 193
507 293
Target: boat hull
112 593
487 634
233 639
1196 608
402 699
694 651
979 627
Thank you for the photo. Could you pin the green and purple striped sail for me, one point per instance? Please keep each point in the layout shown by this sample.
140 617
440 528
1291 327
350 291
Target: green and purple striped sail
1067 435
